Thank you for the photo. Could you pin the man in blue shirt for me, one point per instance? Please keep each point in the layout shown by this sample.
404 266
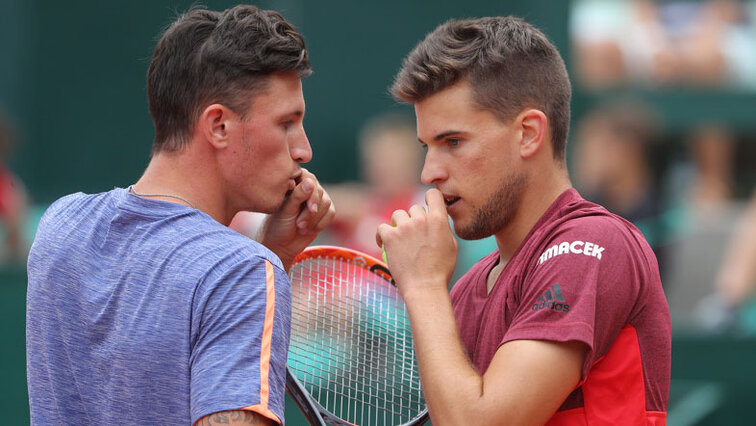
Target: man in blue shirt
142 306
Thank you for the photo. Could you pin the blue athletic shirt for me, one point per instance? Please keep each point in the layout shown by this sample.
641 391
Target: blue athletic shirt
141 311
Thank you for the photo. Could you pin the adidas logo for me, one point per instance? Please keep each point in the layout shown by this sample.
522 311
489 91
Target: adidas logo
552 299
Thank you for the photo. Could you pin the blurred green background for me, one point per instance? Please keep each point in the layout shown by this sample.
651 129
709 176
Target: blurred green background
72 80
73 76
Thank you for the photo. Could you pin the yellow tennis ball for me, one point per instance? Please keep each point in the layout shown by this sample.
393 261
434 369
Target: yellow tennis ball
383 254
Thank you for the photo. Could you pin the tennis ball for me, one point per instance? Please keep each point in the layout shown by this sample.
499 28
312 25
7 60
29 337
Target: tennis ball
383 254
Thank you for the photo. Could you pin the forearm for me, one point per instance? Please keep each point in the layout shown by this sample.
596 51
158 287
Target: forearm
509 392
452 387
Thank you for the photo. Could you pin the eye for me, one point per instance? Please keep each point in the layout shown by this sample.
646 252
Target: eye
287 124
453 141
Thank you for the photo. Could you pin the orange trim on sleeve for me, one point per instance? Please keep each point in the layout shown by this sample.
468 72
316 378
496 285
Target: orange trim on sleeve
270 308
263 411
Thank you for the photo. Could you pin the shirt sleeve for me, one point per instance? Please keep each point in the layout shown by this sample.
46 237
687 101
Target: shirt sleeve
582 287
238 359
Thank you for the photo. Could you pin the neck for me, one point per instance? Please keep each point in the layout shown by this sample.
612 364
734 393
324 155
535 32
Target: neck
188 175
170 197
540 192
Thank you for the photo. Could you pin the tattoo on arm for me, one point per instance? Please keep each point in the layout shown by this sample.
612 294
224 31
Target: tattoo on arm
236 417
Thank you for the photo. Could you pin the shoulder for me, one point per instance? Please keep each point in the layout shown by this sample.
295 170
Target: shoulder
69 204
230 248
571 218
605 227
191 237
589 229
219 256
72 213
229 268
597 247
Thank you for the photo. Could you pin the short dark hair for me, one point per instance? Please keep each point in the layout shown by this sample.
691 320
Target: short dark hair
207 57
510 65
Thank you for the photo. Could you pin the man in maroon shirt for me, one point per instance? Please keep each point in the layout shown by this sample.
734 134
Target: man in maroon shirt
566 323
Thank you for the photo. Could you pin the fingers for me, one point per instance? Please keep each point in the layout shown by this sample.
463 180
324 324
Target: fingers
435 201
419 245
313 203
310 209
318 211
327 216
399 216
302 192
379 234
416 214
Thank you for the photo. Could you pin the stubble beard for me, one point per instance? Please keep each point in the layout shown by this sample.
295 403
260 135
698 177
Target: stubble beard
498 211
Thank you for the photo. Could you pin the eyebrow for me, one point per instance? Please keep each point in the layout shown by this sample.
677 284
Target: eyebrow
442 135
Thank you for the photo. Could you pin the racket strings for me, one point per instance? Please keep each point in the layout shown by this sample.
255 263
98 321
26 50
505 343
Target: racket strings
351 345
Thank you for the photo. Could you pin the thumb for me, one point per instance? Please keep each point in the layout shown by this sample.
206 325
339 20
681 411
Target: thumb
300 194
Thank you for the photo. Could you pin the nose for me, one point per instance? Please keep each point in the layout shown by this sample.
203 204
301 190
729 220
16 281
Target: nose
301 151
433 170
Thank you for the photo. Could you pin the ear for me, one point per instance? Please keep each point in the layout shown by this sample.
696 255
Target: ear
215 124
534 126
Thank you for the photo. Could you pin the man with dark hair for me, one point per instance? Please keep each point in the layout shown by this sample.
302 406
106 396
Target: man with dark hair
566 323
143 307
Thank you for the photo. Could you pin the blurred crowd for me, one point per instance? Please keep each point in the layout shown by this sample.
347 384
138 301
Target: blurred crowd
691 192
661 43
685 191
14 241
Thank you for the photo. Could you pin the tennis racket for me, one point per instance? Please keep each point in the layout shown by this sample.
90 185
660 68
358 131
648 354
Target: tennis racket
351 356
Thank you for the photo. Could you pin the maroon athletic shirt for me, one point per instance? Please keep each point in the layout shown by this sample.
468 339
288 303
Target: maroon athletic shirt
581 274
